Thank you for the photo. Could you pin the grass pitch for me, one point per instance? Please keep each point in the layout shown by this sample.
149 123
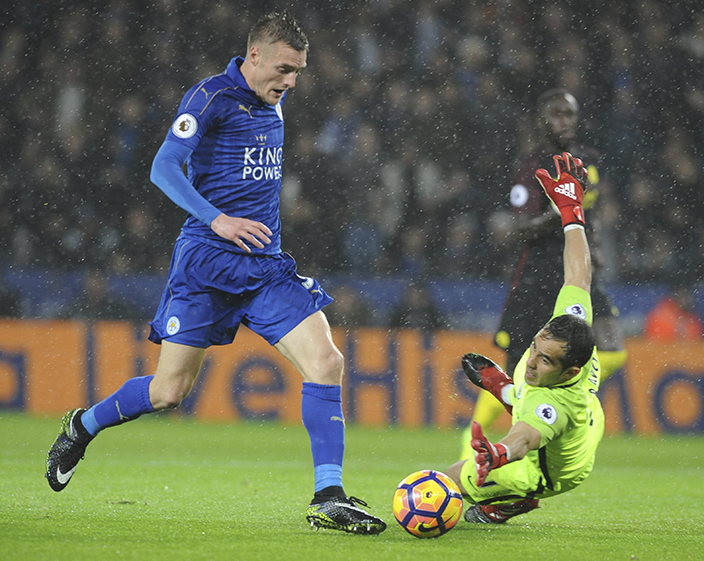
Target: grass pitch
167 488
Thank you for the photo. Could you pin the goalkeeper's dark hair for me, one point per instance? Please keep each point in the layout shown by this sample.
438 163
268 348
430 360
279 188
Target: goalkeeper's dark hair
551 95
278 26
576 336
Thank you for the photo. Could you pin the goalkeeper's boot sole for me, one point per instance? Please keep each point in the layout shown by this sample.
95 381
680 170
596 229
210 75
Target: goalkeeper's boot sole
344 514
68 449
499 513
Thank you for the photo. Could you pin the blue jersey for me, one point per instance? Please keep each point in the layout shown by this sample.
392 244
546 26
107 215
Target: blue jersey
237 142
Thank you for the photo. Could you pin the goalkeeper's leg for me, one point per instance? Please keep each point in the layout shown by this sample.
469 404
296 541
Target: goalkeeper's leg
486 410
608 334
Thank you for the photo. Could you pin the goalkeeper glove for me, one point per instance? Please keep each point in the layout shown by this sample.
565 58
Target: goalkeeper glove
566 191
486 374
489 456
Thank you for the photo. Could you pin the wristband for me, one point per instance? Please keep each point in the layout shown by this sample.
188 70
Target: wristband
572 215
573 226
507 394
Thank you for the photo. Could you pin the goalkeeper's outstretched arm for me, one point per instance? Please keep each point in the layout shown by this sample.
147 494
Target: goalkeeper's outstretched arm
567 193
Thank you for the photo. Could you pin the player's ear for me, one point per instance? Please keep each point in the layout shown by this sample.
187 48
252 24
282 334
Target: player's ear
255 54
569 373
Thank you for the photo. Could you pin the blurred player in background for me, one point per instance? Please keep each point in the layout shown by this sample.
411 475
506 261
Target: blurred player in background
534 285
558 421
228 269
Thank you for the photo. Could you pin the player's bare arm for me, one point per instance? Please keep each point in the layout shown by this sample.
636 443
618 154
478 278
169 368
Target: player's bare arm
578 263
521 439
241 230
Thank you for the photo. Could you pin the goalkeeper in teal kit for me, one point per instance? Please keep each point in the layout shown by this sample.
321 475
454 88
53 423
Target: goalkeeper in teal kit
227 268
558 421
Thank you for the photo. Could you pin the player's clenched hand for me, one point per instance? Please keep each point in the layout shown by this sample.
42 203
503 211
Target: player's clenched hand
489 456
242 231
567 190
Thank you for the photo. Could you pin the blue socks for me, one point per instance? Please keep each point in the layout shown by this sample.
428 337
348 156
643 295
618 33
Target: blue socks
321 411
126 404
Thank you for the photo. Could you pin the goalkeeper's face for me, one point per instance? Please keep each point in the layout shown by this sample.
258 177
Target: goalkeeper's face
275 69
544 366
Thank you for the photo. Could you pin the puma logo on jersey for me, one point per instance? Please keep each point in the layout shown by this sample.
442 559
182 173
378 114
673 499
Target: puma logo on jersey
566 189
247 110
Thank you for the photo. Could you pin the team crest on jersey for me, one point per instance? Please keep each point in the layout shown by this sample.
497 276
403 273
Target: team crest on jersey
185 126
576 310
173 325
547 413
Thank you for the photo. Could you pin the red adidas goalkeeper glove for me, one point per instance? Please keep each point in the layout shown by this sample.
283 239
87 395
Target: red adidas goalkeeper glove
489 456
566 191
486 374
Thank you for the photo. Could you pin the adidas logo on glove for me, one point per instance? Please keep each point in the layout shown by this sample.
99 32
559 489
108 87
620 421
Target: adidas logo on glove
566 189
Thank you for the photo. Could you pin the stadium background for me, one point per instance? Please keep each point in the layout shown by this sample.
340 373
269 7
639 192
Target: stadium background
399 141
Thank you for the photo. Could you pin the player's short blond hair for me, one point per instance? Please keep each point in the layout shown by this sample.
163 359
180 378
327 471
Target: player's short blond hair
275 27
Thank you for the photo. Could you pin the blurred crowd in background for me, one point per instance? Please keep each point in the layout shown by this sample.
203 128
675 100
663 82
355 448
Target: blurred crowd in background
400 135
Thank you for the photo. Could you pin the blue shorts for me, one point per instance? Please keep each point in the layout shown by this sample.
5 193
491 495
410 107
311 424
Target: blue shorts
211 291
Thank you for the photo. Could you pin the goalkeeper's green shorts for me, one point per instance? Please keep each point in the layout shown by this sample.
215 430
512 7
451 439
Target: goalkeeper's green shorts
517 480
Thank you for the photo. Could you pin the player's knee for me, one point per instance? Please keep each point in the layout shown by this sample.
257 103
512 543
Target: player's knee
329 368
167 397
334 366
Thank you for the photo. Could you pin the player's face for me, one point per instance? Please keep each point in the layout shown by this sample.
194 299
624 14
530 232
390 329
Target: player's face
276 67
544 368
561 120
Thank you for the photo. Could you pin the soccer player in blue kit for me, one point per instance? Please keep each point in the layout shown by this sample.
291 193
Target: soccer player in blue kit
228 269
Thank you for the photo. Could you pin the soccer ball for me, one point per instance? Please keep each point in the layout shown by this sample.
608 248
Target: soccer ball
427 504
